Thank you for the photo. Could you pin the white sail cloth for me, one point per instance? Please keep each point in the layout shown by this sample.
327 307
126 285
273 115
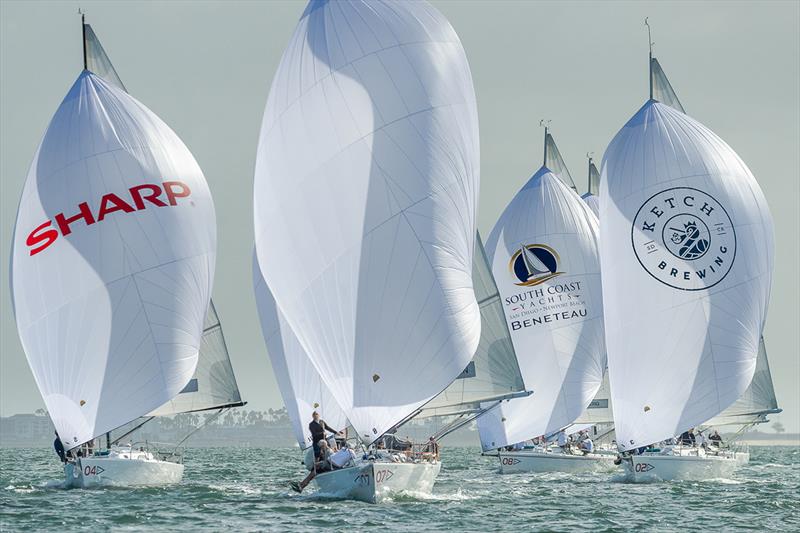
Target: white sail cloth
554 311
591 198
687 254
366 185
302 389
757 401
112 261
494 373
213 384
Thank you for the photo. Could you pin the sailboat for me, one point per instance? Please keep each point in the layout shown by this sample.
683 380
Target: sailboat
687 255
365 196
110 302
553 308
492 377
590 197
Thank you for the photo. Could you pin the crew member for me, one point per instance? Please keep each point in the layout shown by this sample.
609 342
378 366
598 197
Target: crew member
323 465
59 446
317 427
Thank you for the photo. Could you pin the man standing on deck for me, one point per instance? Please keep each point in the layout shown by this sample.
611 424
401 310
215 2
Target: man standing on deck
317 428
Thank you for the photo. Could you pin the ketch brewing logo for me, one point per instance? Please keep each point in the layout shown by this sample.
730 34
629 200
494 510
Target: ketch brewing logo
533 264
684 238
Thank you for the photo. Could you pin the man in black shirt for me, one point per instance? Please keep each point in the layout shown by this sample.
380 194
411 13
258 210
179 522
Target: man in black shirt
317 427
59 446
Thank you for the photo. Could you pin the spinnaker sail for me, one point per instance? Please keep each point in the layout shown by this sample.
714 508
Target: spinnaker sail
112 260
555 317
301 387
213 384
687 262
365 195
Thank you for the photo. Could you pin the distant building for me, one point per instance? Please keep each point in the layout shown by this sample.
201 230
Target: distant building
25 429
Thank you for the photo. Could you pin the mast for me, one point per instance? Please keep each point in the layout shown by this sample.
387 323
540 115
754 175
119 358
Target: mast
650 57
83 35
589 173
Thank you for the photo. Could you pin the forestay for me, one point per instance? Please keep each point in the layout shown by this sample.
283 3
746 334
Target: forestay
213 384
687 261
302 389
543 252
493 374
757 401
365 194
112 261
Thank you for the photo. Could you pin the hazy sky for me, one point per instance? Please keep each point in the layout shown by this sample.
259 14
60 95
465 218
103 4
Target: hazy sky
205 68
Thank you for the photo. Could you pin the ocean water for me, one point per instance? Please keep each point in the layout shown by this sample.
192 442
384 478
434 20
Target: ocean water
246 490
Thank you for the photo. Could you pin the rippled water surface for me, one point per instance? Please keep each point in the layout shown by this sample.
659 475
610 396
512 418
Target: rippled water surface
246 490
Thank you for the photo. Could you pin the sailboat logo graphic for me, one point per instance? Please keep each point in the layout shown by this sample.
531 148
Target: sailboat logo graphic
533 264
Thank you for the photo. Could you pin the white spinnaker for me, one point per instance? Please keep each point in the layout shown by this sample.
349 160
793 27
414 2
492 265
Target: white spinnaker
687 254
366 187
110 315
302 389
591 198
213 384
556 318
757 401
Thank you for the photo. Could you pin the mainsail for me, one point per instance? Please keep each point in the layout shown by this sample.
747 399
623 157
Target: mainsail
113 261
687 262
757 401
213 384
554 162
301 387
555 317
96 60
662 89
365 195
590 197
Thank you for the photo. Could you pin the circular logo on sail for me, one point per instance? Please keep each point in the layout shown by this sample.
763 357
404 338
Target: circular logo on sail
533 264
684 238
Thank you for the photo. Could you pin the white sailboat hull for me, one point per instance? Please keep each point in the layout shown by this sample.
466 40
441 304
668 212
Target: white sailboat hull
372 482
649 468
137 469
535 461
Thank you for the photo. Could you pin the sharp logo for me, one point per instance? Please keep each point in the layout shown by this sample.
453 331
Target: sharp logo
141 196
